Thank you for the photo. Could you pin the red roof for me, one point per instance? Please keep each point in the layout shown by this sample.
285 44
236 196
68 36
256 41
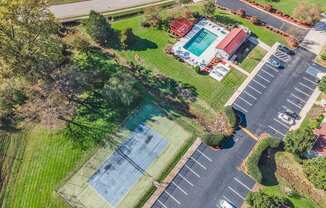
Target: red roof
320 144
233 40
180 26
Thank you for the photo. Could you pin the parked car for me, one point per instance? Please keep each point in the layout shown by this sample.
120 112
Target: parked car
274 62
286 118
225 204
286 50
294 115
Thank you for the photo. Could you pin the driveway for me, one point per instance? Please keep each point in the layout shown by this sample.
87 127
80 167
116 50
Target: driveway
209 176
269 19
83 8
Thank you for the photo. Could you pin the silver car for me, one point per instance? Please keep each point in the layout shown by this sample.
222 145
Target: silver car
286 118
225 204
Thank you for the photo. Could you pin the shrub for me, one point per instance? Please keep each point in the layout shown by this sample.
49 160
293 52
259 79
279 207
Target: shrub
241 13
254 20
315 170
268 7
322 85
310 13
213 139
262 200
231 116
253 159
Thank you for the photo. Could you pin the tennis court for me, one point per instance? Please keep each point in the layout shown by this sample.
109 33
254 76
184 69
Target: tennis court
120 177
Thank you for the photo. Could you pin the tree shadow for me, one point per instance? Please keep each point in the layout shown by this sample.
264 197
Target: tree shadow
267 166
223 18
244 50
142 44
228 142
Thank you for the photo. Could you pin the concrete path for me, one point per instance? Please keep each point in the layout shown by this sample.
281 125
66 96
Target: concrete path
315 40
83 8
269 19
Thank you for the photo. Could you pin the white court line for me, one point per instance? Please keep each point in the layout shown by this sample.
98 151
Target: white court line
196 161
244 185
185 179
183 191
271 75
191 170
250 94
280 122
234 191
161 203
205 156
172 197
296 105
244 100
302 100
300 83
301 91
277 131
259 83
241 108
305 78
255 89
263 78
271 67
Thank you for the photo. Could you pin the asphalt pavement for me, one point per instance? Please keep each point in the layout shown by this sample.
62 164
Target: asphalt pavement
269 19
209 176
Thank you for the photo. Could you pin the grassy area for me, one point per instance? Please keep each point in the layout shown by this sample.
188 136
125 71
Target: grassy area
46 160
288 6
56 2
253 58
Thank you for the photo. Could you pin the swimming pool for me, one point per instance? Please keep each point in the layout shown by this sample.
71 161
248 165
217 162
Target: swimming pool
200 42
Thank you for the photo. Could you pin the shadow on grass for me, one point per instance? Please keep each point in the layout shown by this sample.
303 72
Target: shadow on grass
141 44
223 18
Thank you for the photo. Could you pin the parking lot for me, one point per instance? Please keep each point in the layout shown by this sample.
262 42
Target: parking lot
274 91
209 176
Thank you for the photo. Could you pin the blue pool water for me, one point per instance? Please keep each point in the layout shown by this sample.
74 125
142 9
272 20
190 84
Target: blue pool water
200 42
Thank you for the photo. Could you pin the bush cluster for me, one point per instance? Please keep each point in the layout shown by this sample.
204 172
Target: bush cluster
253 159
315 170
231 116
262 200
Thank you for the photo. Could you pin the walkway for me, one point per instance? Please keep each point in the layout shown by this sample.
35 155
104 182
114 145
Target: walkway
78 9
269 19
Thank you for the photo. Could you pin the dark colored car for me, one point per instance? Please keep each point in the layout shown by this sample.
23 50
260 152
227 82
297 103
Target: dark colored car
293 115
286 50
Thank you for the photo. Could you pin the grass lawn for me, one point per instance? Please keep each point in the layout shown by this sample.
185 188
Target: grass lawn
47 159
288 6
253 58
56 2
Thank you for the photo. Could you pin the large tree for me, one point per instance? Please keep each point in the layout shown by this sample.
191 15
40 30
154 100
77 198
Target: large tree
262 200
299 141
315 169
29 45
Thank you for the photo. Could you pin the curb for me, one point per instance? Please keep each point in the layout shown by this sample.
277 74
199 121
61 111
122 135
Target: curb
161 187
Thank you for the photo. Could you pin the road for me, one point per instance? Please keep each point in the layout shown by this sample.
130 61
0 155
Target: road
83 8
209 176
269 19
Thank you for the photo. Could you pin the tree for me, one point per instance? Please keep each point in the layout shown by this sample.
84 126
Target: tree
99 29
209 8
29 44
262 200
151 17
299 141
127 38
231 116
315 170
322 85
310 13
213 139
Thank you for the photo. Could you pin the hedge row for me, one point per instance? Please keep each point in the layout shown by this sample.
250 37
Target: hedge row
253 159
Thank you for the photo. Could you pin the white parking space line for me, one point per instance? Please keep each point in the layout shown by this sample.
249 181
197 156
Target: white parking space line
287 108
241 108
234 191
227 199
244 100
297 89
172 197
297 97
313 82
185 179
280 122
161 203
191 170
240 182
259 92
263 86
196 161
263 78
312 89
183 191
294 104
277 131
271 67
247 93
205 156
266 72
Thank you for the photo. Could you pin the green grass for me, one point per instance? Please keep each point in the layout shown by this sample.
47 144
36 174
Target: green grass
288 6
253 58
298 201
56 2
47 159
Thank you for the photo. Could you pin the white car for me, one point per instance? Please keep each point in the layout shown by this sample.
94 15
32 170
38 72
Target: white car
286 118
225 204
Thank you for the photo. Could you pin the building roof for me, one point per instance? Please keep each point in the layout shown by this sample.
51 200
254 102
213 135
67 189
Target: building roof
233 40
181 26
320 144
